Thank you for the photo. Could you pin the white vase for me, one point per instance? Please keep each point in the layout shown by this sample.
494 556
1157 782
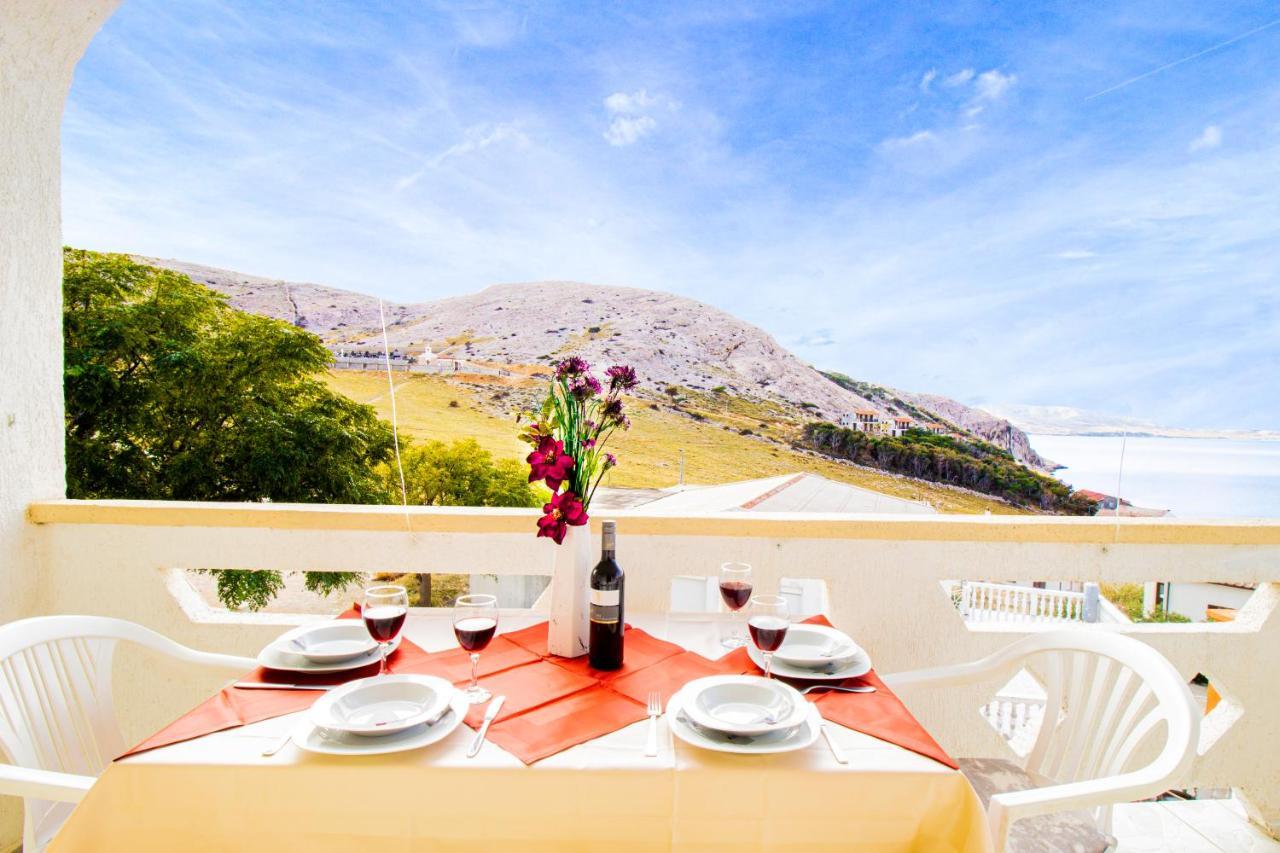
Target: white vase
570 579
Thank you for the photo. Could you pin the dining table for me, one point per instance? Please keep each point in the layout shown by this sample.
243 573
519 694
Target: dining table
220 792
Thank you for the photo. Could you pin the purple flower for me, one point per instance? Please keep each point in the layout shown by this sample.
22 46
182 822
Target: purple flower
611 412
571 366
584 386
621 377
610 461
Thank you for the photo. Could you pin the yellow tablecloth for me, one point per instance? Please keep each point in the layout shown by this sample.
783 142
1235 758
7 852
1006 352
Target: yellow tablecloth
219 793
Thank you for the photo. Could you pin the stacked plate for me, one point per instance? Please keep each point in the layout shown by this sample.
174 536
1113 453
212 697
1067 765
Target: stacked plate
743 714
333 646
816 653
388 713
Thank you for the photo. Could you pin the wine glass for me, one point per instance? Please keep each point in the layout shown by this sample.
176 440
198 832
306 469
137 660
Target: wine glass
475 620
735 589
767 620
383 611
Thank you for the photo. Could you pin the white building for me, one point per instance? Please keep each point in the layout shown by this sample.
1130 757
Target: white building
862 420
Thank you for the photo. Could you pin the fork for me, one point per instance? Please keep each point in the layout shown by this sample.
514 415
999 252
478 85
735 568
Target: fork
857 689
654 709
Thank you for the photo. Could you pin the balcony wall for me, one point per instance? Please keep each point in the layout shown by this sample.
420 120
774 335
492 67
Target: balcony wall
884 578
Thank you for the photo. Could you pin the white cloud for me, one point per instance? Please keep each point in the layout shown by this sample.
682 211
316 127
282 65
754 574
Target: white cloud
1210 138
478 138
1076 254
626 130
632 115
918 138
630 103
958 79
992 84
927 80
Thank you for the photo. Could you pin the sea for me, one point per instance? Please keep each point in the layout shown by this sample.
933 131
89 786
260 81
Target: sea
1190 477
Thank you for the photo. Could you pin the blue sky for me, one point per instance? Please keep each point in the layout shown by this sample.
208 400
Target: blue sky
999 202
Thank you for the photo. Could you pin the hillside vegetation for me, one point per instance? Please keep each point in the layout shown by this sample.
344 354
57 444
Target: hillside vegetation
706 425
970 463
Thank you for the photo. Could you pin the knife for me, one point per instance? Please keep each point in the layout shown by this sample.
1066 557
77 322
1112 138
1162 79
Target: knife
835 748
262 685
489 714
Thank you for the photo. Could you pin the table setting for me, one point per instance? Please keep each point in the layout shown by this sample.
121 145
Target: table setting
332 704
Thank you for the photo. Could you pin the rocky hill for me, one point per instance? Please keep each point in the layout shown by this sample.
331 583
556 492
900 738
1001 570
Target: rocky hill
669 339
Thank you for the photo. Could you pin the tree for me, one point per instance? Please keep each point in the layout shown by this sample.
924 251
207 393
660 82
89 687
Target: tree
458 474
172 394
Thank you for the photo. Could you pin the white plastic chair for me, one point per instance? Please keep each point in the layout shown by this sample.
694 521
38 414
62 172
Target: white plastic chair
1108 696
57 719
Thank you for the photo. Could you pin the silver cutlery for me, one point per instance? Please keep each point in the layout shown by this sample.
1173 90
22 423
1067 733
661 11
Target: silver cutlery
262 685
271 750
863 689
655 711
836 751
489 714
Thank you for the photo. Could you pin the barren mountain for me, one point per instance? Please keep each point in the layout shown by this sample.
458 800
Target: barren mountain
669 339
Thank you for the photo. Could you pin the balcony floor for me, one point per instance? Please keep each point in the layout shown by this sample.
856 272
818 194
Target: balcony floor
1199 826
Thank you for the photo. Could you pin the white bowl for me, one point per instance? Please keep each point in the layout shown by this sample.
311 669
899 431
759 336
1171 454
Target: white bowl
330 642
743 704
814 646
382 705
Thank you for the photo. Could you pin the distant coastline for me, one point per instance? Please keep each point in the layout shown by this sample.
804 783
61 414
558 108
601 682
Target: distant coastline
1188 475
1065 421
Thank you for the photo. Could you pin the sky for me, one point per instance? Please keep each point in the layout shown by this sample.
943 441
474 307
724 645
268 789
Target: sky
1037 203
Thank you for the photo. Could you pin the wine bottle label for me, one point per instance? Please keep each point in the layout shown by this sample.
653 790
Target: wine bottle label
606 597
605 614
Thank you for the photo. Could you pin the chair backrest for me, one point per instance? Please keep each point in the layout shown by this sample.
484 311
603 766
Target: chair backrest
1112 702
56 706
1107 697
56 709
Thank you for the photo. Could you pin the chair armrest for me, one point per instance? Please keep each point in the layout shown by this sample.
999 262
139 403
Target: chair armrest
938 676
1005 808
213 660
43 784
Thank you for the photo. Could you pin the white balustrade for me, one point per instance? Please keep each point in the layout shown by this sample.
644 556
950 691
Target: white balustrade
885 583
982 602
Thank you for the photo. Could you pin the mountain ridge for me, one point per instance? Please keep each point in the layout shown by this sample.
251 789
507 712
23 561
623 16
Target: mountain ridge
671 340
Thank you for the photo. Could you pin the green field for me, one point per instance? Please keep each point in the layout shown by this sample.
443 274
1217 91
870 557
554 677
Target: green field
649 455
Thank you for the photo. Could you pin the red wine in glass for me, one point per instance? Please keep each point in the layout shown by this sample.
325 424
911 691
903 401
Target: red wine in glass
384 623
768 632
474 633
735 593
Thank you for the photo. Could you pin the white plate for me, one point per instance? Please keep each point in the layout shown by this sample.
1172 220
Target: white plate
800 737
860 665
313 739
743 704
804 646
277 655
330 642
382 705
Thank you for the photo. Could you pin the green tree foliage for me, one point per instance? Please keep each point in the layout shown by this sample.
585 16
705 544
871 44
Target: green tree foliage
172 394
972 464
459 474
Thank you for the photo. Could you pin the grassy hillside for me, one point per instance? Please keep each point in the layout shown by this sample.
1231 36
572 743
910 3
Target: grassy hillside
715 449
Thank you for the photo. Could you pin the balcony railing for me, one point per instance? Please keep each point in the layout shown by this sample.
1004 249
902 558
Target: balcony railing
887 582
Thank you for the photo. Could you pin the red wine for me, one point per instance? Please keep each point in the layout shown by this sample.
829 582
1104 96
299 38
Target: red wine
474 632
604 646
384 623
768 632
735 593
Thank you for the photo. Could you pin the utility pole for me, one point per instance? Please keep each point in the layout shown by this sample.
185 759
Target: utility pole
682 466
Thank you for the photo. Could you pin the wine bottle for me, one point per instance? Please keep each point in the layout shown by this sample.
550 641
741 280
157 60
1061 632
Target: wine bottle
604 649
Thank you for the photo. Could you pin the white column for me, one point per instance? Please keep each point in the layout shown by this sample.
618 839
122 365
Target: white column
40 43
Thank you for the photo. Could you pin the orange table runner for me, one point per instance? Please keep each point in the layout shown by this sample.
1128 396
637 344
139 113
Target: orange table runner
552 703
